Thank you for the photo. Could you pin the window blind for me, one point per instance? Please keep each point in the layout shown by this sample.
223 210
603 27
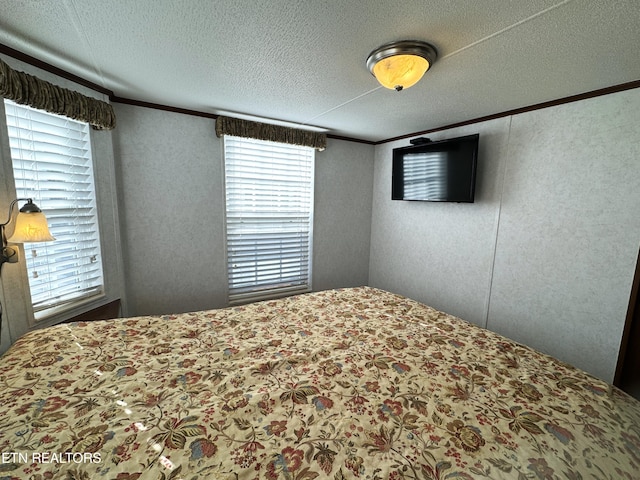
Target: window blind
52 164
269 218
425 175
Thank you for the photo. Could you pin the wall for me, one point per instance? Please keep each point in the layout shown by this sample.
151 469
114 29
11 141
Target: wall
172 210
440 253
342 215
170 184
546 255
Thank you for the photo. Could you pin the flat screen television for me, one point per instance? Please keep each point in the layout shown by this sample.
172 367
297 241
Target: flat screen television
440 171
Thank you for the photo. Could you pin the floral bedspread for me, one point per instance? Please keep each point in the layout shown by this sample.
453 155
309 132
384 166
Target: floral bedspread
344 384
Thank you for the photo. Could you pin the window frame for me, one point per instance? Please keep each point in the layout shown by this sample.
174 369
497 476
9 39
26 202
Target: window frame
17 314
272 291
50 201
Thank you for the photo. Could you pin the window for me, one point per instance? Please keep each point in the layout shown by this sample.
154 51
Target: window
51 158
425 175
269 197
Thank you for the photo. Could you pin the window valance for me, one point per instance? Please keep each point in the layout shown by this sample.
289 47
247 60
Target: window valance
26 89
273 133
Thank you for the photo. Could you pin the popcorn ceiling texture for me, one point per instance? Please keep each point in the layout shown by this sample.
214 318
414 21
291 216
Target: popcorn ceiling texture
304 62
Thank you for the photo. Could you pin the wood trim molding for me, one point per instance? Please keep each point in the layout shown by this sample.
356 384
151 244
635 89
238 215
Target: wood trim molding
12 52
104 312
158 106
538 106
629 353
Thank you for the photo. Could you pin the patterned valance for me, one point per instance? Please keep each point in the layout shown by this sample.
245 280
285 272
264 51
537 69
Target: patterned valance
28 90
273 133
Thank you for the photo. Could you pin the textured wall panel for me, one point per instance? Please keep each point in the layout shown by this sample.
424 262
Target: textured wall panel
342 216
547 253
440 253
570 230
172 206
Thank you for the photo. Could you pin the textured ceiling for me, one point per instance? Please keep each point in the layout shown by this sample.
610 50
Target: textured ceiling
304 61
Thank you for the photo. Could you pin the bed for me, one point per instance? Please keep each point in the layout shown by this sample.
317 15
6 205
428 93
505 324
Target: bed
354 383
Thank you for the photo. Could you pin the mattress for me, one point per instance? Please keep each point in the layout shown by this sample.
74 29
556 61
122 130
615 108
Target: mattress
354 383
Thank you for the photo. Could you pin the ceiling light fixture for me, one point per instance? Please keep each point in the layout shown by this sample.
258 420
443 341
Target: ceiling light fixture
399 65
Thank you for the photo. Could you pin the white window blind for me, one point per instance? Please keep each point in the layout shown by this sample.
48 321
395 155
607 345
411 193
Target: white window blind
51 157
425 175
269 198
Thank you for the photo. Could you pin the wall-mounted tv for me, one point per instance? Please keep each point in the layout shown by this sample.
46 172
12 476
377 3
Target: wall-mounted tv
440 171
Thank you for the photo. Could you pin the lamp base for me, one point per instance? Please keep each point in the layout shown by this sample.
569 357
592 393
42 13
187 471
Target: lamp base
9 255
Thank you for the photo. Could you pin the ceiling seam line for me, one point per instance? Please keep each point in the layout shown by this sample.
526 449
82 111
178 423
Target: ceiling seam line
306 122
75 20
499 32
505 29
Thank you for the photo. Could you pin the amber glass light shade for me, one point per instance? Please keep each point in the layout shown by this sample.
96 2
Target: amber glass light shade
31 227
401 71
400 65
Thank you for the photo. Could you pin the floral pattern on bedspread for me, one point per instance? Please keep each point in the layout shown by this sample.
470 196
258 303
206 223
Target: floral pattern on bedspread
344 384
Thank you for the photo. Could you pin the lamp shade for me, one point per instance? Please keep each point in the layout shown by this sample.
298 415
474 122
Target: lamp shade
31 227
400 71
400 65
